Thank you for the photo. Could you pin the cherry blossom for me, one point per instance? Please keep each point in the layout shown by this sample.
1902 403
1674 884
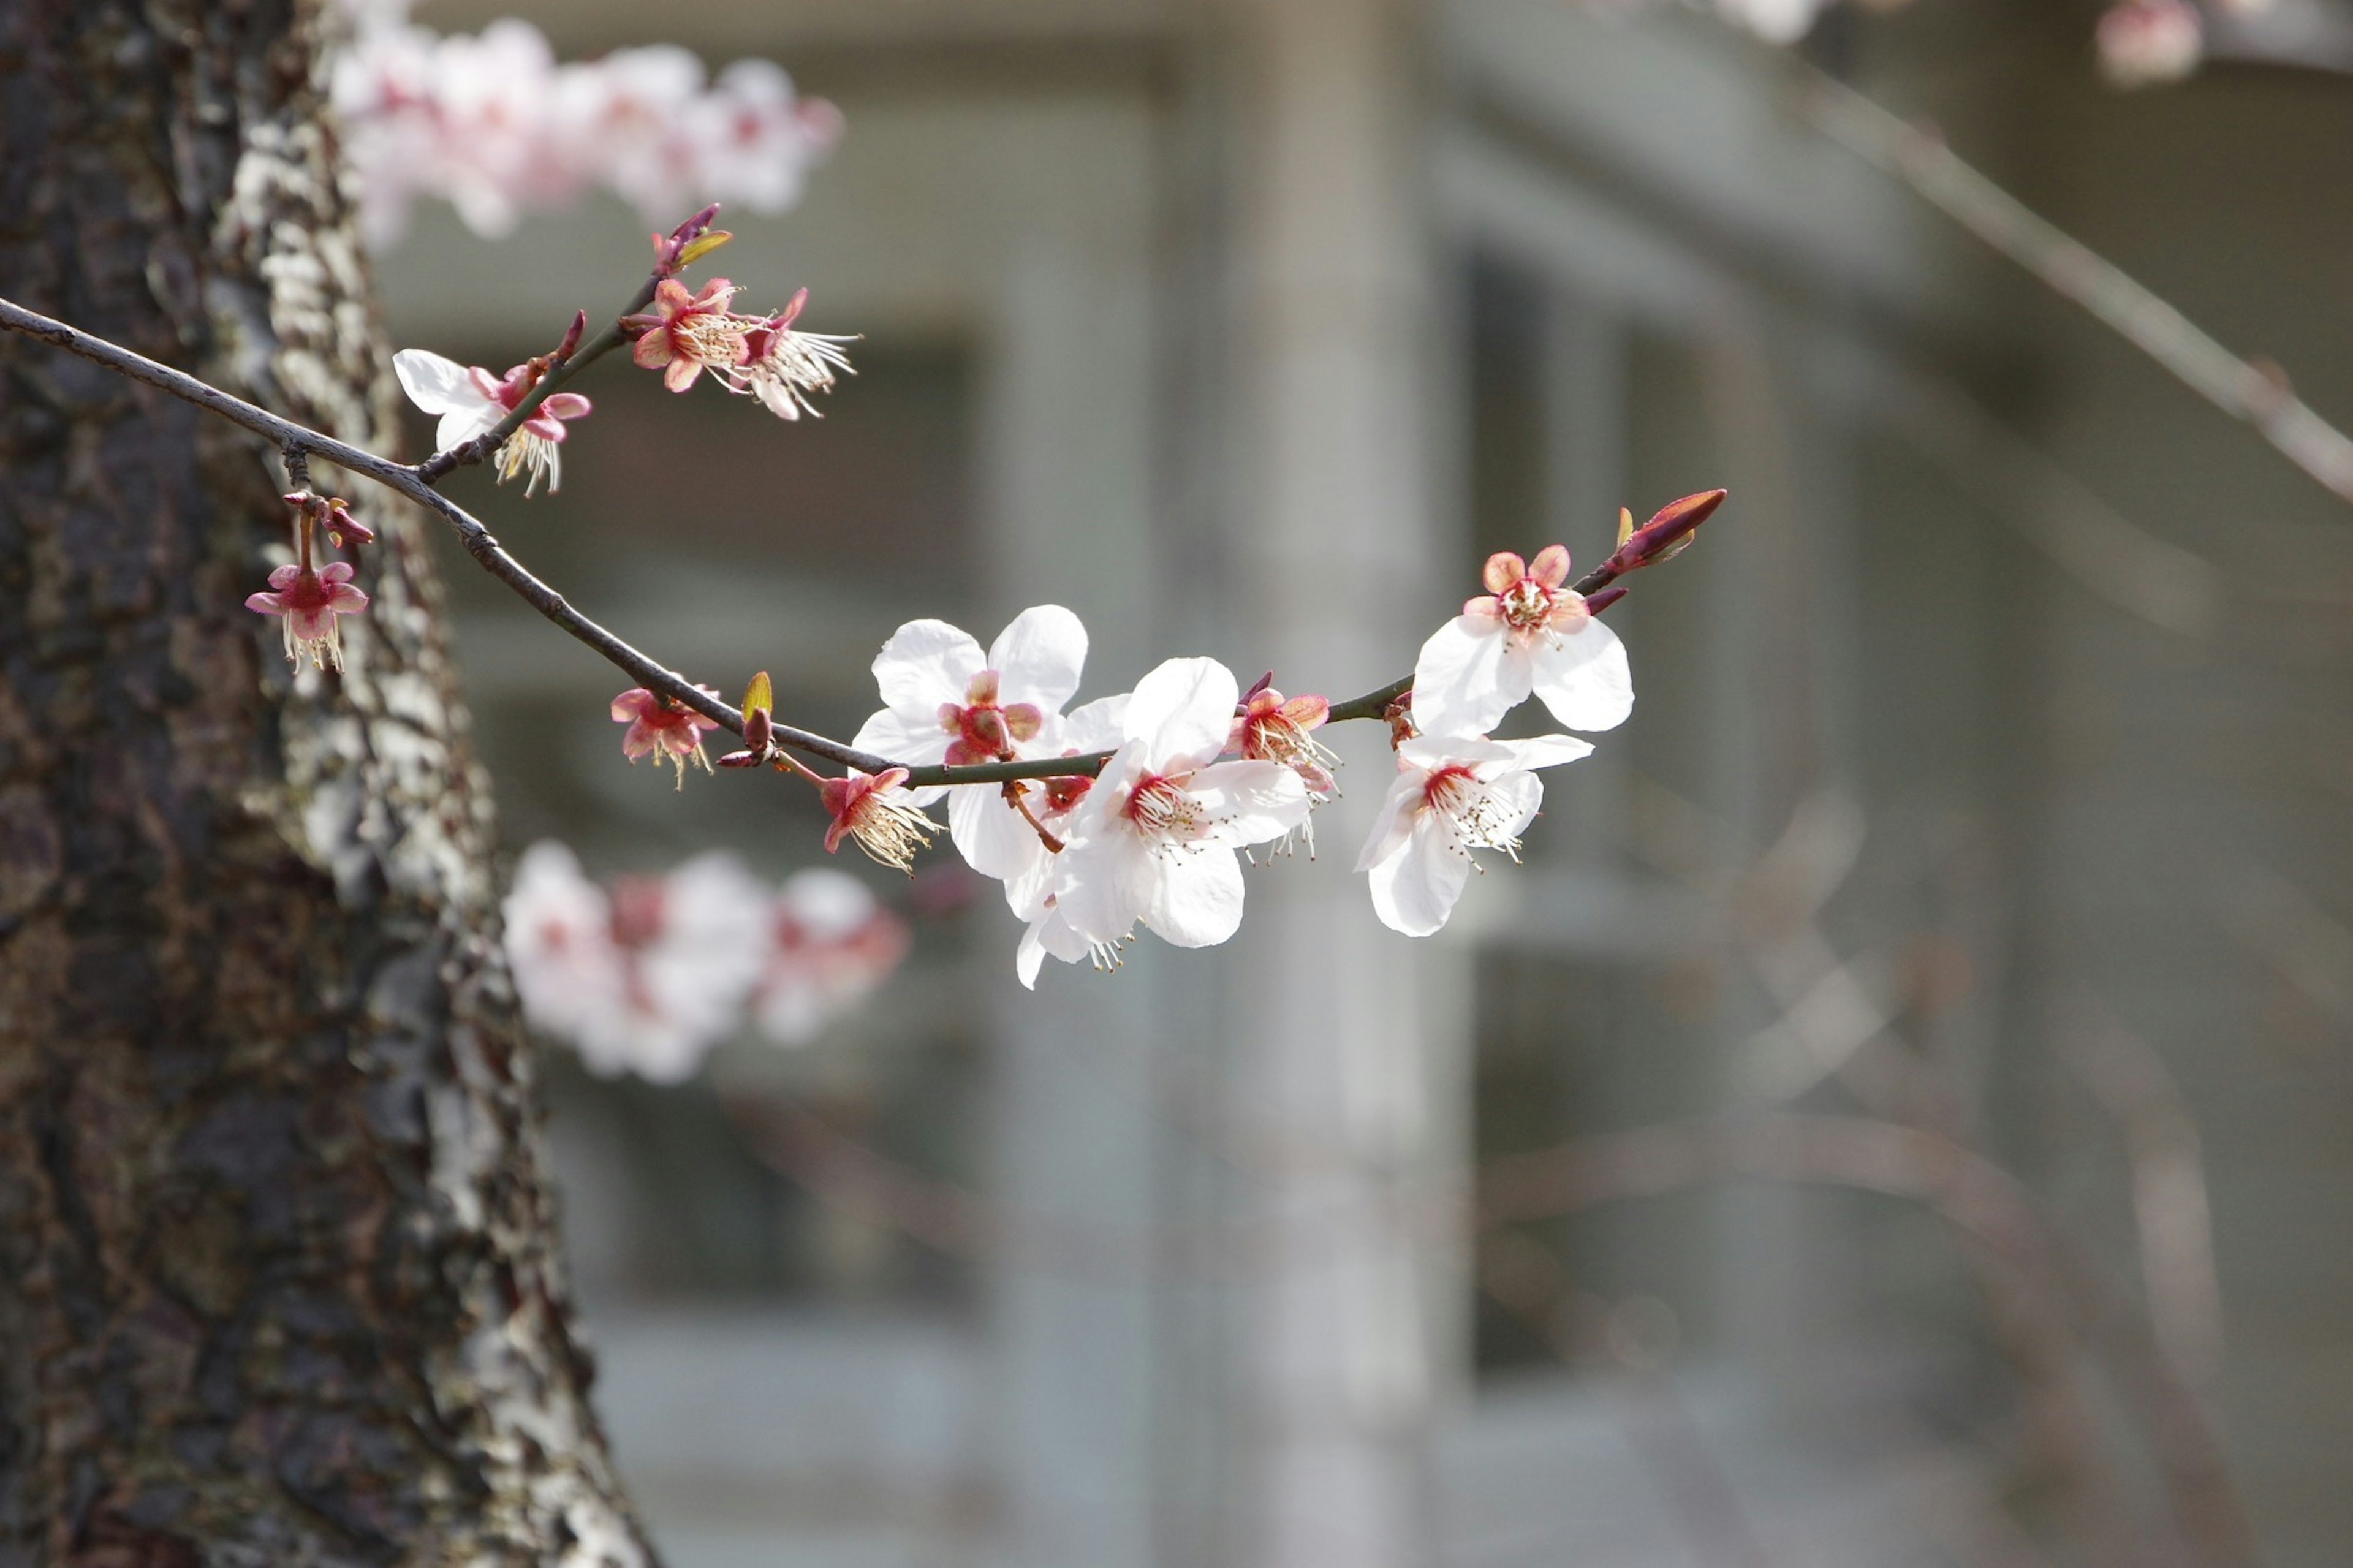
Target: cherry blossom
1271 729
1155 837
659 728
493 124
880 814
2145 42
311 602
947 701
833 943
782 367
1452 797
472 401
685 334
646 978
1527 633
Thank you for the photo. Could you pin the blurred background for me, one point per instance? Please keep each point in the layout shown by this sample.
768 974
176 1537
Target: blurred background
1898 1115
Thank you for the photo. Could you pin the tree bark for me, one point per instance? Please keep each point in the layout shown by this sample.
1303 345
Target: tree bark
279 1280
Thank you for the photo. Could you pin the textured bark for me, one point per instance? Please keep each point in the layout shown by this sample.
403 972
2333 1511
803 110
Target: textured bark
278 1275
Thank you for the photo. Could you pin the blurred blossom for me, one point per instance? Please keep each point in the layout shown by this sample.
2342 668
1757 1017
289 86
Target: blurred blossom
1776 21
2145 42
646 977
493 125
833 943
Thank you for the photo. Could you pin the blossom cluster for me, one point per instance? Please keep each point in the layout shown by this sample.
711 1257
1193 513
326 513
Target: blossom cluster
643 975
1200 773
492 123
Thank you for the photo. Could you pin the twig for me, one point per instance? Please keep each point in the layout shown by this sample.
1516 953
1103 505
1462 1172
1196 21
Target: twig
2258 395
416 482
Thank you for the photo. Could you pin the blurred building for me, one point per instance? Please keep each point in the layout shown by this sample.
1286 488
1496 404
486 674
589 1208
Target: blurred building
1983 813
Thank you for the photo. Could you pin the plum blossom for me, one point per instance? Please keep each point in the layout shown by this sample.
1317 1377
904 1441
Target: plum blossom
493 124
311 602
1155 839
832 944
1527 633
880 814
645 978
666 730
782 367
947 701
2145 42
1271 729
1452 797
685 334
471 402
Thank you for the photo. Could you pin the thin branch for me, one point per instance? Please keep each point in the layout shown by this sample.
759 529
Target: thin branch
2257 394
299 442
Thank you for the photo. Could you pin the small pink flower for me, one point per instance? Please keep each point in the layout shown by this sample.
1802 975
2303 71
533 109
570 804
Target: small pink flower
662 729
782 367
686 334
1528 633
1269 729
311 603
873 808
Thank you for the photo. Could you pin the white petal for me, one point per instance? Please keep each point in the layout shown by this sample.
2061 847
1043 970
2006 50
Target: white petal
1197 897
1396 820
1431 752
1039 656
924 664
460 426
1249 802
1030 957
1463 679
433 384
1184 710
1545 751
989 834
903 737
1584 679
1416 885
1099 726
1521 795
1108 883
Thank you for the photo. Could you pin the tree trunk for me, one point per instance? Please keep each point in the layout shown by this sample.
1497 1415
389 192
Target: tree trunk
279 1279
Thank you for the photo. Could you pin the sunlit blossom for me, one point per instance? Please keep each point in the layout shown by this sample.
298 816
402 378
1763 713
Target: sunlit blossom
1452 797
685 334
1155 837
948 701
782 367
1528 632
471 402
881 815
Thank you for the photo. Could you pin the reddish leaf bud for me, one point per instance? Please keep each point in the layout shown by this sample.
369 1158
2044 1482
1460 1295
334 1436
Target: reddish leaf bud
342 525
1669 531
1595 603
573 334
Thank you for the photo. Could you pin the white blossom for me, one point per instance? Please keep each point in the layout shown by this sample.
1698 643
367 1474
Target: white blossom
1454 796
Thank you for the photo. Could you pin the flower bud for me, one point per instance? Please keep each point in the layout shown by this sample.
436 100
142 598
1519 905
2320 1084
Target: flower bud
1667 533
